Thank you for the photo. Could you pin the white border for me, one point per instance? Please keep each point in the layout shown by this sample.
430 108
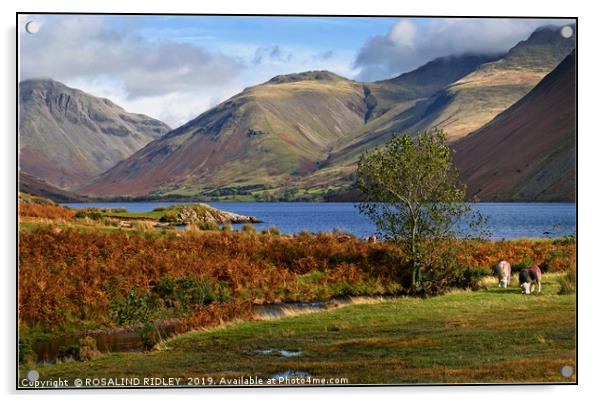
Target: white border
590 132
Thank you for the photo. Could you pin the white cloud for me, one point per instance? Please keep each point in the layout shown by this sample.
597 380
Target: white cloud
167 80
410 42
273 60
76 47
173 108
403 33
161 75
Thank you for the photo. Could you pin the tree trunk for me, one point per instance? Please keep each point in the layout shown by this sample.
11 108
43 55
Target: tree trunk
415 263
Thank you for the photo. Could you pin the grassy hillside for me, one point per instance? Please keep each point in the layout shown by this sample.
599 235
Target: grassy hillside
267 134
66 137
529 151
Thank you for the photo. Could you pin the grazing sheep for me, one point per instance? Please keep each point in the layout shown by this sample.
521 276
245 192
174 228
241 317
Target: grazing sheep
503 270
529 275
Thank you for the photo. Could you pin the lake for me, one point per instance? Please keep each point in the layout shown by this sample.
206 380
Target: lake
506 220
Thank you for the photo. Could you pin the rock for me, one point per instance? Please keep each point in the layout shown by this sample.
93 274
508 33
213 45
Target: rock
195 213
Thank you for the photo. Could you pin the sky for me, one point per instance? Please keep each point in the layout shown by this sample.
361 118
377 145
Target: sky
173 68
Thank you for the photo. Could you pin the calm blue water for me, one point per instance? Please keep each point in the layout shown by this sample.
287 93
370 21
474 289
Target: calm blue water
506 220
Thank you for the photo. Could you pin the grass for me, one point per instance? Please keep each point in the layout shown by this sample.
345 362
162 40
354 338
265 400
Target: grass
32 224
151 215
495 335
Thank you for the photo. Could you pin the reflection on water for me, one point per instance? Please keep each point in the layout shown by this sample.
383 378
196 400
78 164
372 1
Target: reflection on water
107 341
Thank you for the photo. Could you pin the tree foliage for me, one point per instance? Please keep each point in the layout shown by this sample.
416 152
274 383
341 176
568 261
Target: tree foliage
414 197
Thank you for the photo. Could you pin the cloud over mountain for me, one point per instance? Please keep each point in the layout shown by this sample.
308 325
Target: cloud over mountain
412 42
76 47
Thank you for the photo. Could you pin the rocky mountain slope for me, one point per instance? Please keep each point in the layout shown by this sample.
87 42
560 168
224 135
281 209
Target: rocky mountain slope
67 137
528 152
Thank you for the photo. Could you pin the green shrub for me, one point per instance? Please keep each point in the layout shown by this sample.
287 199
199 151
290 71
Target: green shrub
386 260
183 292
137 307
26 354
444 270
149 334
223 292
160 208
91 214
566 240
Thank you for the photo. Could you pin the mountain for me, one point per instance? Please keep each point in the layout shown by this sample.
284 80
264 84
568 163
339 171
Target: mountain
67 137
528 152
386 95
266 134
302 134
471 101
271 134
38 187
475 99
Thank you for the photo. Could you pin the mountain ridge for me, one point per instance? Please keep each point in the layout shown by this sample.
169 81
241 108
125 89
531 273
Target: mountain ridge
305 131
297 118
67 136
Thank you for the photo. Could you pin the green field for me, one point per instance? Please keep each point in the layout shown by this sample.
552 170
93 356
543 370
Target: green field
493 335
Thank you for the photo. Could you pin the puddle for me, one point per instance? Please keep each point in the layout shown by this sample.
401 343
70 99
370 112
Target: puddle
286 353
264 351
283 353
